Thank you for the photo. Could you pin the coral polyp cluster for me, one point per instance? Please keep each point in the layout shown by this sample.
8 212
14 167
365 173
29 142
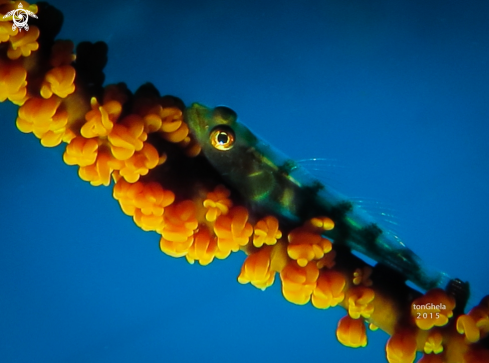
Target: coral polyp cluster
141 145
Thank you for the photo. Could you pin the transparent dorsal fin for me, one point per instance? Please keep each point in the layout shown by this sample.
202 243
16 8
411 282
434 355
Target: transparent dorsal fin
324 169
383 213
327 171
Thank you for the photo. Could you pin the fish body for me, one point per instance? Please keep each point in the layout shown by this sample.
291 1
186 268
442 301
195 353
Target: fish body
271 183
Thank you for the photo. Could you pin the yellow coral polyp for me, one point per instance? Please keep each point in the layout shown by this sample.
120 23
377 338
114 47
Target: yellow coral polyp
360 302
373 327
328 260
217 203
305 246
177 234
362 276
148 222
140 163
298 282
37 113
232 231
13 83
351 332
278 257
480 314
401 347
150 204
101 119
322 223
60 81
176 248
6 31
433 343
126 193
153 199
127 137
23 43
173 128
145 202
42 118
329 290
100 172
203 249
152 123
57 132
466 325
429 306
81 151
256 269
7 5
266 232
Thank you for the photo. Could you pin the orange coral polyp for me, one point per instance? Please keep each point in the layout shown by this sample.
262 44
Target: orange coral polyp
177 234
148 222
217 203
180 222
176 248
126 194
127 137
6 31
232 231
60 81
173 128
140 163
298 282
23 43
42 118
305 246
328 260
433 343
360 302
81 152
480 314
401 347
351 332
266 232
56 134
256 269
203 249
101 119
13 83
100 172
152 123
278 257
149 206
145 202
36 111
329 290
434 316
322 223
153 199
466 325
362 276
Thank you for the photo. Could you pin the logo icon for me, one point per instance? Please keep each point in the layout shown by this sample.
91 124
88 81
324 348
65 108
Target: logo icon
20 17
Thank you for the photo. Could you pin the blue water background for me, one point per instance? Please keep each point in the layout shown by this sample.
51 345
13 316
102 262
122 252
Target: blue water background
396 93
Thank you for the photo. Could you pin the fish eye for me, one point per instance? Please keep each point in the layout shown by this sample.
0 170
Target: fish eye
222 137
